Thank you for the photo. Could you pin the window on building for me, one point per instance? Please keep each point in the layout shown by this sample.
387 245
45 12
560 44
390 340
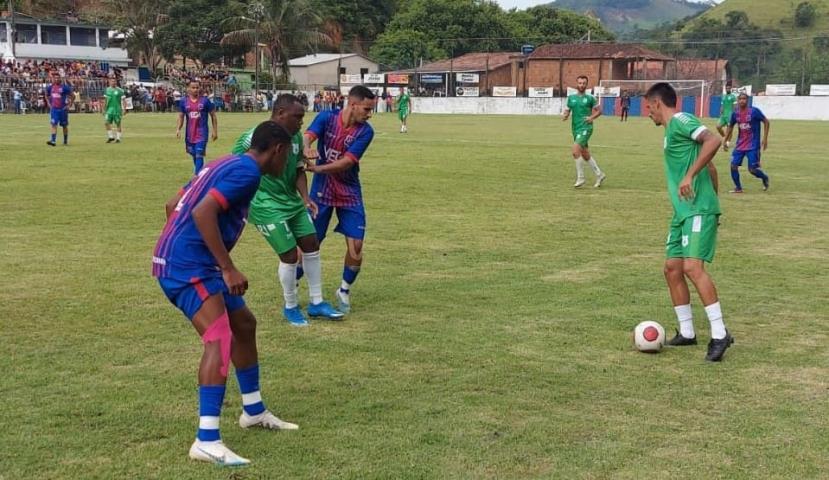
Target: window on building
342 70
82 37
3 30
51 35
26 33
103 34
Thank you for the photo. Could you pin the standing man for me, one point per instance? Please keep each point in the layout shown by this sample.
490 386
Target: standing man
625 107
726 109
343 137
748 120
59 98
115 106
692 238
196 108
404 107
279 212
18 101
584 108
194 269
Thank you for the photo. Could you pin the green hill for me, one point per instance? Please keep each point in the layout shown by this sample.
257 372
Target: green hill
622 16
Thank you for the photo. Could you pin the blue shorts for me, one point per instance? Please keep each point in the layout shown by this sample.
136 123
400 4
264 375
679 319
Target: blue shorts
190 296
351 221
59 117
198 149
753 158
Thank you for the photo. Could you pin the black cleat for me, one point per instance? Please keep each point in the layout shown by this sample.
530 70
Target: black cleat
50 143
766 184
117 141
680 341
716 348
110 140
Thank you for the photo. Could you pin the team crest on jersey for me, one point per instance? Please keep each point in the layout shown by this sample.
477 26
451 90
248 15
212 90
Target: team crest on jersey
349 139
295 148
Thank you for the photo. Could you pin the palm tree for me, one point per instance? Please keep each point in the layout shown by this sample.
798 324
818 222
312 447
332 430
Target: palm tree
285 27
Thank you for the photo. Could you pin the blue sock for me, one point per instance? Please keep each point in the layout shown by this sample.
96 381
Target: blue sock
54 136
299 272
249 385
198 162
759 174
349 276
210 409
65 138
735 175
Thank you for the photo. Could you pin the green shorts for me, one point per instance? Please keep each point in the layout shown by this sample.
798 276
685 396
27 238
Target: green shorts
402 114
582 137
723 121
282 231
112 117
694 237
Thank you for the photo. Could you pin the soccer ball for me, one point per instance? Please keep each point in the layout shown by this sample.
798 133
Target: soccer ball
649 337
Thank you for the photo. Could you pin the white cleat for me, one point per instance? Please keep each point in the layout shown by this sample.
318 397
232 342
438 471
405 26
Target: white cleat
579 183
216 452
343 301
599 181
265 420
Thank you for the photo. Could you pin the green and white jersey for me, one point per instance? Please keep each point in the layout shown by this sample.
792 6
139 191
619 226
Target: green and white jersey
112 100
277 196
581 107
681 151
403 103
727 107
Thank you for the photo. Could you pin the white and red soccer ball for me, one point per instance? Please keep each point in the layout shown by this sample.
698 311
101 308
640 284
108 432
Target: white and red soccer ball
649 337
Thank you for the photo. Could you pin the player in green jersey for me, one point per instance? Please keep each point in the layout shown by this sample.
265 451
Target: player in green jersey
688 150
115 107
726 109
404 108
279 212
584 108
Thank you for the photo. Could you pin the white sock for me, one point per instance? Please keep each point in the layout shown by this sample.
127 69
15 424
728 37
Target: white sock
345 286
595 167
579 169
110 135
312 265
685 316
715 317
287 277
118 135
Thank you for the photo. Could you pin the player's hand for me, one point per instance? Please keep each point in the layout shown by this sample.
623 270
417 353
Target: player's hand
765 145
235 280
724 146
313 208
588 120
685 190
310 165
310 153
178 133
215 136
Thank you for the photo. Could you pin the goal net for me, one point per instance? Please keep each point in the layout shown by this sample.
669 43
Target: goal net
700 90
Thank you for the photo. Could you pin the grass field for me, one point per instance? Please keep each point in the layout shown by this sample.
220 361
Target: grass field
490 333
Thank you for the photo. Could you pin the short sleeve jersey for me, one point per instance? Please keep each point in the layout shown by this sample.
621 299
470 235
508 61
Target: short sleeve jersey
403 102
277 196
57 96
195 113
180 252
112 98
748 123
581 107
727 107
681 151
334 140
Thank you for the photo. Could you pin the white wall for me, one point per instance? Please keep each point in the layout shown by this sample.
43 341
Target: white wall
56 52
488 105
793 108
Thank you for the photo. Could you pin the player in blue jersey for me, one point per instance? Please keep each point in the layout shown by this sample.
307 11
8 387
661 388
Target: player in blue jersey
59 98
193 112
192 263
342 138
748 121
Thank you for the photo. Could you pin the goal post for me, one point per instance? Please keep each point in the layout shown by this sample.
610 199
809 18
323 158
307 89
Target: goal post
698 89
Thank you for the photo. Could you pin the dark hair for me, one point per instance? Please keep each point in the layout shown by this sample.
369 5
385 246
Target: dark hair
665 92
267 134
361 92
742 94
194 81
582 76
284 100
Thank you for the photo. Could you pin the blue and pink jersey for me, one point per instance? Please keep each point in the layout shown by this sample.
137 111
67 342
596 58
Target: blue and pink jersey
58 96
196 113
181 252
334 141
748 123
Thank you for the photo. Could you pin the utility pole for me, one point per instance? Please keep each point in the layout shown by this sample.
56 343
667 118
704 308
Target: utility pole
256 10
13 29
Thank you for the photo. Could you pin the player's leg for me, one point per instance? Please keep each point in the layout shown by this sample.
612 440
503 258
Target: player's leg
352 224
279 236
721 123
678 288
108 126
577 157
588 157
736 162
306 237
754 168
118 120
246 361
54 119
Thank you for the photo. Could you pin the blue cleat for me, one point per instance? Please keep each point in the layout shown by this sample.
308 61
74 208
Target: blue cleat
343 300
295 317
324 309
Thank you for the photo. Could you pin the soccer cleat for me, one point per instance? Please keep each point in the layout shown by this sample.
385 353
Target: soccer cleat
51 143
343 301
117 140
766 184
265 420
324 309
599 181
110 140
579 183
295 317
680 341
216 452
716 348
736 190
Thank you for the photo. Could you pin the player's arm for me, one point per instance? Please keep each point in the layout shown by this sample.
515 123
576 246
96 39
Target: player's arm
179 124
124 105
597 112
171 204
302 188
710 146
70 97
308 150
566 114
715 180
766 125
215 121
206 217
339 165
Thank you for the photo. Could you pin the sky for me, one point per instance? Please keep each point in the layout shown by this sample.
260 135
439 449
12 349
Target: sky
507 4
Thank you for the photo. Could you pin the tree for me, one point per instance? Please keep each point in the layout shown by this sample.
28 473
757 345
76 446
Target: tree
357 21
404 49
190 30
804 15
138 22
544 24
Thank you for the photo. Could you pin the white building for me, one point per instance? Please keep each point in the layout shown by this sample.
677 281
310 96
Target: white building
54 40
324 69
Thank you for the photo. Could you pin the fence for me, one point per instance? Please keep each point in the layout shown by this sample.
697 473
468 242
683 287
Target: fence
88 93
